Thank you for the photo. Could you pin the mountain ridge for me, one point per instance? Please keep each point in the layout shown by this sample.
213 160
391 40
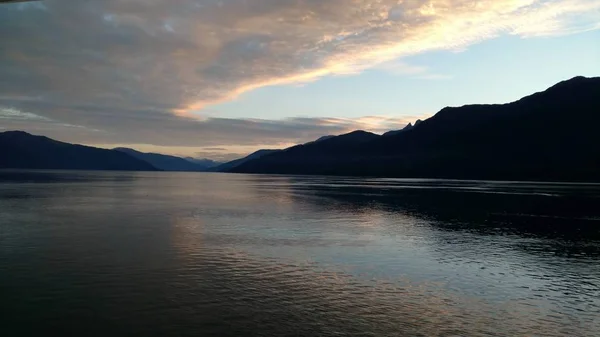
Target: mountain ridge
225 167
22 150
165 162
524 139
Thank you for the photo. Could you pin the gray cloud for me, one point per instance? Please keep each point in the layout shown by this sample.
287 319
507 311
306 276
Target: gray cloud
169 130
140 71
17 115
215 149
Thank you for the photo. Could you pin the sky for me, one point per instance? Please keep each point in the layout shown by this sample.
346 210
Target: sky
222 78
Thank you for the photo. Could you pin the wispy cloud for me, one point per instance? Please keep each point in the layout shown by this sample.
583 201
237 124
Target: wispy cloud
400 68
18 115
215 149
230 135
142 71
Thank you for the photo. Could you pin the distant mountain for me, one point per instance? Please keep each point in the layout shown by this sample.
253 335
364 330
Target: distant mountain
165 162
225 167
321 154
22 150
206 163
551 135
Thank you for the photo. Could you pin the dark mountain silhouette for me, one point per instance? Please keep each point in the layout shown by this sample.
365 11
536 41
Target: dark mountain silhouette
164 162
551 135
324 138
406 128
225 167
22 150
321 139
306 158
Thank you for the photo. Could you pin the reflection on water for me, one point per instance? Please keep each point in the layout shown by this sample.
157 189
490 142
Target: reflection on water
91 253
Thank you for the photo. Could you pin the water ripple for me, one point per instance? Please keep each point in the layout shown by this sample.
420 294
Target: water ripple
158 254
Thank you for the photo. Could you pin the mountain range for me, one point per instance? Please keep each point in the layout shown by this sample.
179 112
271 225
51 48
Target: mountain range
170 163
22 150
550 135
228 166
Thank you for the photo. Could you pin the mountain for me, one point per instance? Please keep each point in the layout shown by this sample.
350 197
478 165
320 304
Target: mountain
22 150
164 162
320 139
312 157
330 146
225 167
324 138
206 163
550 135
406 128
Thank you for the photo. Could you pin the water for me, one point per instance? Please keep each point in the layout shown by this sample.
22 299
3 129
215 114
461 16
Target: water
178 254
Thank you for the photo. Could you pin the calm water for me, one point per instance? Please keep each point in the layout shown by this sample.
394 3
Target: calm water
163 254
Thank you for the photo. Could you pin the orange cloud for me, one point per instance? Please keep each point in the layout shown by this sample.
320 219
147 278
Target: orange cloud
348 37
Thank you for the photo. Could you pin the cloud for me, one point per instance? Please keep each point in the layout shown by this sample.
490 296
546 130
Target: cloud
12 116
142 70
236 137
17 115
213 132
215 149
400 68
